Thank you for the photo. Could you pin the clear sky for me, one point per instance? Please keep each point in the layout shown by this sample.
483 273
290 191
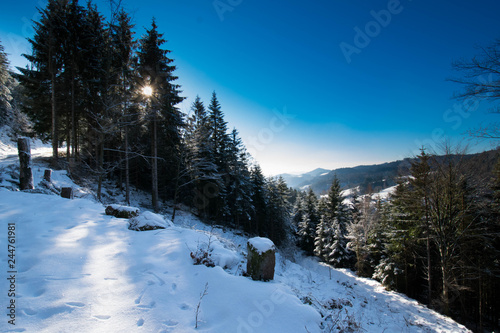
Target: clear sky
322 83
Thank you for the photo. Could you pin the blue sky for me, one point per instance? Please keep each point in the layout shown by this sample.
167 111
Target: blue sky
301 101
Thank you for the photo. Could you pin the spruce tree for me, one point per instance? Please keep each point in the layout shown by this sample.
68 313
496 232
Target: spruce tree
5 93
218 143
164 118
218 132
238 184
198 156
277 210
259 201
336 220
123 46
42 79
309 222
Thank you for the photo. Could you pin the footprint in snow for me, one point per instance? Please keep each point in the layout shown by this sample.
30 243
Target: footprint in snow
147 306
30 312
140 322
39 293
184 306
76 304
174 286
102 317
170 323
160 280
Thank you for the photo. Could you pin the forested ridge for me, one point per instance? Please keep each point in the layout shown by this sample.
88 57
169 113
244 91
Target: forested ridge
112 102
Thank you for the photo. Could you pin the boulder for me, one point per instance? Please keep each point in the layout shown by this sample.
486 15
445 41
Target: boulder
261 258
148 221
120 211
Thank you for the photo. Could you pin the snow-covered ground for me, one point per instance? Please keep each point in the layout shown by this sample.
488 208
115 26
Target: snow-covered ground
78 270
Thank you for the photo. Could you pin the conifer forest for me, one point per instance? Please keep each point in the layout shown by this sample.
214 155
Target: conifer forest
107 99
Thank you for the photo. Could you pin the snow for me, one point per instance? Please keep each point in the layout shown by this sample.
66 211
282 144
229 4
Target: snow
385 193
146 219
82 271
261 244
124 208
79 270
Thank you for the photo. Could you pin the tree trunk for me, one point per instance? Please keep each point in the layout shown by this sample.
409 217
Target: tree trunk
445 293
127 169
100 168
68 139
429 268
55 136
73 123
154 171
25 174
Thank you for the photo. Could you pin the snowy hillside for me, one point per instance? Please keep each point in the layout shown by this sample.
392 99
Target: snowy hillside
78 270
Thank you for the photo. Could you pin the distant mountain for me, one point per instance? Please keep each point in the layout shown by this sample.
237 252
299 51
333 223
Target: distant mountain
296 181
376 177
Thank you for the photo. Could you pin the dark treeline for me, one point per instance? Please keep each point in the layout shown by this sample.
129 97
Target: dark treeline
435 239
113 100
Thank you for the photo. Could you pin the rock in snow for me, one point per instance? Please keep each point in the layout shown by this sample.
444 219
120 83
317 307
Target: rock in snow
148 221
120 211
261 258
261 244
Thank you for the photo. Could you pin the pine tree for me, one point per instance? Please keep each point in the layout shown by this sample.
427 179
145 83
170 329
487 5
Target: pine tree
258 217
239 190
277 210
218 132
164 118
123 47
309 222
5 93
218 140
42 80
198 156
323 238
298 211
74 29
336 218
358 231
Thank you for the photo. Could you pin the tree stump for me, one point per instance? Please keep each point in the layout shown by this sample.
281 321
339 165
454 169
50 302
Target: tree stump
261 258
47 175
67 192
26 181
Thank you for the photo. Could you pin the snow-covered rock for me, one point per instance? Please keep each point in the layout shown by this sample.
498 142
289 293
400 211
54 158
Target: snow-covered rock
148 221
122 211
261 258
261 244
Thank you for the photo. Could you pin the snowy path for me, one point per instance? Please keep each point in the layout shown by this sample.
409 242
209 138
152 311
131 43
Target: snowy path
82 271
